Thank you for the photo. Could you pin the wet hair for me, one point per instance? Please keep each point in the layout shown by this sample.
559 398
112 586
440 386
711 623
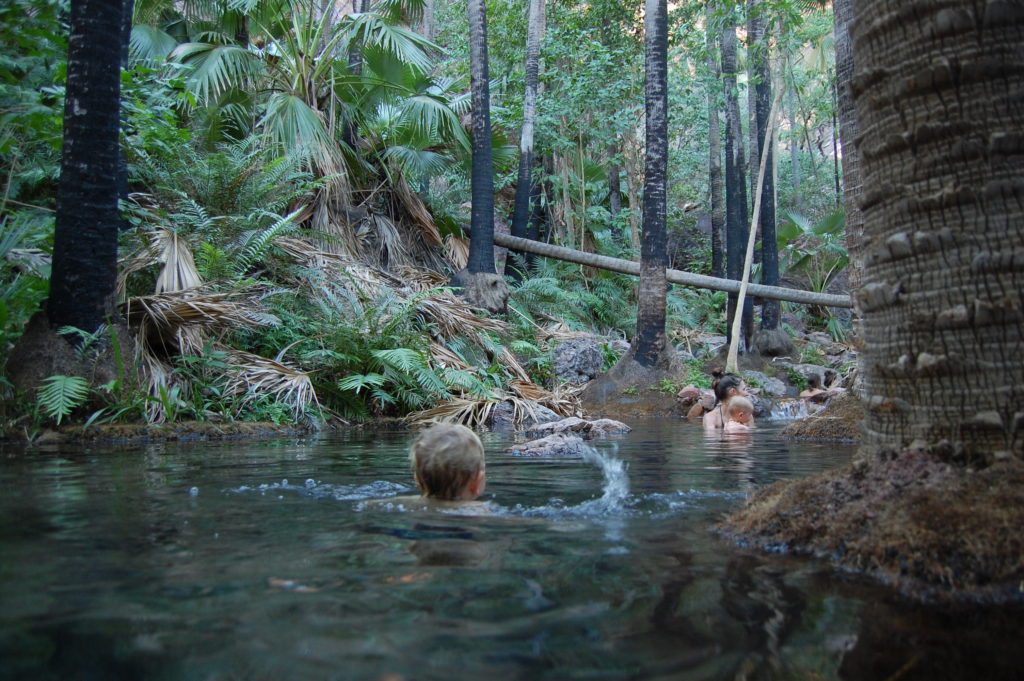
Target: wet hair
740 405
814 381
722 383
445 459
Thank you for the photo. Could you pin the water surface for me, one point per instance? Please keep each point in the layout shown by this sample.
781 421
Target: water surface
263 560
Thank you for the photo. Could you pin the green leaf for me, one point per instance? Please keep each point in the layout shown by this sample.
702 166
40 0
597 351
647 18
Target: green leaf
60 395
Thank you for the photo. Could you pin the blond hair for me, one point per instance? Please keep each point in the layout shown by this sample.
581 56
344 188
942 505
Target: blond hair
740 405
445 459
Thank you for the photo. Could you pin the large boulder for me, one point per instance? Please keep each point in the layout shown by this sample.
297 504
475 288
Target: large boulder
578 360
503 416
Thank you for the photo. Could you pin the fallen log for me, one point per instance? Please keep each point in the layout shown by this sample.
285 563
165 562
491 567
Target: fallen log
674 276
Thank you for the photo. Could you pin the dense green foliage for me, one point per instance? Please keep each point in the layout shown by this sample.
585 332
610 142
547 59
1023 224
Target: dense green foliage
278 150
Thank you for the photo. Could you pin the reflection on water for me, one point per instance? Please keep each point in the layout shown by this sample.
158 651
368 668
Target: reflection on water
261 560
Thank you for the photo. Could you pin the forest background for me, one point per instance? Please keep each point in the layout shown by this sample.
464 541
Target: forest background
296 188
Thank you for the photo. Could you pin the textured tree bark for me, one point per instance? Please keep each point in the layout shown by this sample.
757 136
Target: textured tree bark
481 245
524 183
735 185
715 153
85 239
650 321
852 185
939 87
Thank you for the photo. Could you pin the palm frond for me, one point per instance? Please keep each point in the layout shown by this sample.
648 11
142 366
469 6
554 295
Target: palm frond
254 377
150 45
179 271
60 395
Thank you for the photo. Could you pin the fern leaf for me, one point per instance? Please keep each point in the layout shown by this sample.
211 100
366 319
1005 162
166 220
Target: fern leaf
60 395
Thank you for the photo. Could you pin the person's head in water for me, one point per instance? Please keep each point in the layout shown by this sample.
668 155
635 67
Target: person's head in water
448 463
741 410
726 386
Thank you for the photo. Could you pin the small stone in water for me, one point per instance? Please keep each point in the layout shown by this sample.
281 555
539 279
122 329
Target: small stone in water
193 492
310 483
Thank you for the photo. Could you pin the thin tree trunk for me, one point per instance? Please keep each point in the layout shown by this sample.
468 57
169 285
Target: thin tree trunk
481 247
735 185
84 266
650 323
350 128
427 27
715 154
614 188
941 294
794 148
524 183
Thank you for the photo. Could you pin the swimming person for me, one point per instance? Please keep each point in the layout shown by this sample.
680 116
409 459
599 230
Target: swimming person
740 413
448 463
726 387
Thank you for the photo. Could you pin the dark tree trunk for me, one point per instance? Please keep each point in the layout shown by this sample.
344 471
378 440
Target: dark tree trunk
650 324
122 162
614 185
770 309
85 238
481 246
736 226
350 129
715 154
524 183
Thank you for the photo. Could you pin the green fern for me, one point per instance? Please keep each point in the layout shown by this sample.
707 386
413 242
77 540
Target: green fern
60 395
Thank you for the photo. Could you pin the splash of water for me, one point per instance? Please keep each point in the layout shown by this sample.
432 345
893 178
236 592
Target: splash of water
788 410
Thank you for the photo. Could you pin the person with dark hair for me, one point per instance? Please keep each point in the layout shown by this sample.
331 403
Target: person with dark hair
725 386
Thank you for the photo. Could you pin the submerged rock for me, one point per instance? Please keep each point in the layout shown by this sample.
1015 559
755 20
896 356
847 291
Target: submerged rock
598 428
554 446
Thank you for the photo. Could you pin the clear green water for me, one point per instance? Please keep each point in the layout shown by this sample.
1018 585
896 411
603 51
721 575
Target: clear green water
196 561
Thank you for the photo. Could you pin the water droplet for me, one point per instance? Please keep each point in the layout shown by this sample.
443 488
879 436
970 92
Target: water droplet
310 483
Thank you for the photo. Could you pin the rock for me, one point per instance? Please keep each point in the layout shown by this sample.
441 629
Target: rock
710 345
707 400
688 395
794 322
578 360
774 343
820 338
773 387
555 446
602 427
503 416
589 429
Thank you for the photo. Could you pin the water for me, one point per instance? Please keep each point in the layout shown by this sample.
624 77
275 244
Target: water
262 560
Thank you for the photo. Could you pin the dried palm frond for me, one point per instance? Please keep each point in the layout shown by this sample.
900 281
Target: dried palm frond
29 260
420 279
509 361
457 251
179 271
563 402
340 237
254 377
170 323
390 248
416 209
444 357
452 317
473 413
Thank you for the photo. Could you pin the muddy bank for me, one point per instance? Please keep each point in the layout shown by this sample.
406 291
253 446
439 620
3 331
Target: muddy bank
838 421
166 432
936 531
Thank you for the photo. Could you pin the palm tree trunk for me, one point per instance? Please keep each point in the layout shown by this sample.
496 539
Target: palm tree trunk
524 184
650 322
481 247
940 127
85 238
715 154
736 227
852 187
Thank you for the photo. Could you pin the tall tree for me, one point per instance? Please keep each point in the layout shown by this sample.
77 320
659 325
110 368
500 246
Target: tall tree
650 324
715 150
759 57
85 239
524 184
941 294
736 227
481 248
